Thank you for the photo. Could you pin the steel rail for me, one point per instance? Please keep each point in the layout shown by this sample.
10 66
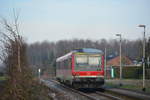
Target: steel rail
129 94
105 94
75 91
109 96
88 95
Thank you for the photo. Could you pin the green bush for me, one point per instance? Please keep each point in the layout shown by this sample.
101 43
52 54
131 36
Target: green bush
132 72
129 72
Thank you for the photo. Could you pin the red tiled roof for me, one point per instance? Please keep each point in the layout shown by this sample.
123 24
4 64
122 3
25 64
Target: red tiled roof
116 61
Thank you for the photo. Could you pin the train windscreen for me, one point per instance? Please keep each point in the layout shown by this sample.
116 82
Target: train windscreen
87 62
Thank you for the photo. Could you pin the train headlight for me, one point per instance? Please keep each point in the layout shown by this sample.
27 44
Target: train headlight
73 74
76 74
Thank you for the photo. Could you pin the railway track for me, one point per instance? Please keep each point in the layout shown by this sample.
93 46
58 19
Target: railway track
67 90
128 94
82 95
108 96
79 94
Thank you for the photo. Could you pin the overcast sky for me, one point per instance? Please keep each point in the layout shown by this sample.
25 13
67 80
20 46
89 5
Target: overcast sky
54 20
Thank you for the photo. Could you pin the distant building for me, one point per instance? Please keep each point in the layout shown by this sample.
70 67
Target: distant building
116 61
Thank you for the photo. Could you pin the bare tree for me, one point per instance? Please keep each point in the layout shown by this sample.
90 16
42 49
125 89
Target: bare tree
13 47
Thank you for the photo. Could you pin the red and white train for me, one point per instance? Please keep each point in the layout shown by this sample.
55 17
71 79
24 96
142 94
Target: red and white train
81 68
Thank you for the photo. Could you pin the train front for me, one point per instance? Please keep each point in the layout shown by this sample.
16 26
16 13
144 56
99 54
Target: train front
88 69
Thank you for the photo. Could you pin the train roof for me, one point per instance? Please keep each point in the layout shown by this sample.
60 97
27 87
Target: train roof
89 50
83 50
64 57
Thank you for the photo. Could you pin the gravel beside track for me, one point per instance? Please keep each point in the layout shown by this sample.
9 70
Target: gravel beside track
130 94
72 94
108 96
63 92
66 92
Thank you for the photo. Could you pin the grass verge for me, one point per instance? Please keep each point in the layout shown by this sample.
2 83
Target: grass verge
130 87
2 78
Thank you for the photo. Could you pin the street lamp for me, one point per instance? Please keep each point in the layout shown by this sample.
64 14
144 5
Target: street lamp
143 60
105 63
120 58
39 72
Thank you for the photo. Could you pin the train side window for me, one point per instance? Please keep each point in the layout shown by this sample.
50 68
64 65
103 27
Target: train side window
69 63
61 65
57 65
66 64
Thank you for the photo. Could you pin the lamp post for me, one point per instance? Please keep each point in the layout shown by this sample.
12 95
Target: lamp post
143 60
120 57
105 63
39 72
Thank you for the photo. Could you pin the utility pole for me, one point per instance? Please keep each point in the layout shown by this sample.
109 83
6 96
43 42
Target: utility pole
120 58
39 73
105 63
148 61
143 60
